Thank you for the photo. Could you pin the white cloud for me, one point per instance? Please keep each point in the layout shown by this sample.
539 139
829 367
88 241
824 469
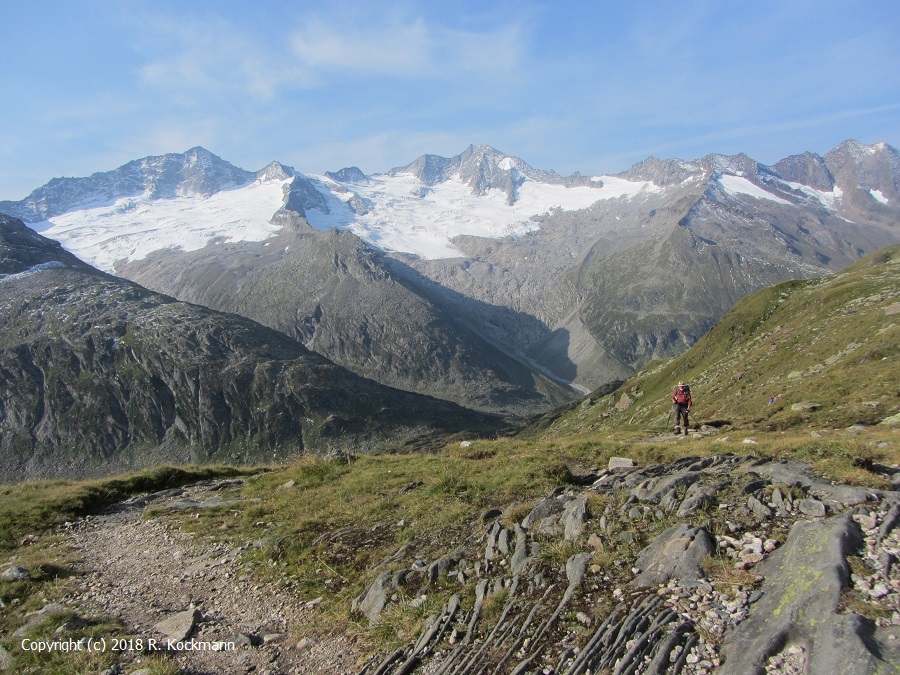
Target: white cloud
409 48
193 57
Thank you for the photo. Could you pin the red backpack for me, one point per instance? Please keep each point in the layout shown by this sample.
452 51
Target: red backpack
682 394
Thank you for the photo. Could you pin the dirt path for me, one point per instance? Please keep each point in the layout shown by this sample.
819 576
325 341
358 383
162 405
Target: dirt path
143 572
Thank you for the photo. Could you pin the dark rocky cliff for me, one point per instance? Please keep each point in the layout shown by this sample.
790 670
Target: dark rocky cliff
99 374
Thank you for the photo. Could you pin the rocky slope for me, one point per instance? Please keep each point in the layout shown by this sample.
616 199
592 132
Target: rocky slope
350 303
99 374
724 564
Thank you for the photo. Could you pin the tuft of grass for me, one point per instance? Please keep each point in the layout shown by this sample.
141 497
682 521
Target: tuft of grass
555 552
722 572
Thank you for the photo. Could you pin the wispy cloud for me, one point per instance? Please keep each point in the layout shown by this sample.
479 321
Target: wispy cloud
406 48
193 57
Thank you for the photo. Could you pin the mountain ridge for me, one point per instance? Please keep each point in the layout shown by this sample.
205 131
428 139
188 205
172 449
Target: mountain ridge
99 373
574 280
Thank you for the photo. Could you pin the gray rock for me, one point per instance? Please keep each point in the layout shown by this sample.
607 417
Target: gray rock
6 659
798 473
757 508
576 566
890 521
653 489
35 618
243 639
573 518
503 542
677 553
620 463
490 548
812 507
520 557
179 626
805 406
441 566
306 643
372 601
801 592
16 573
544 508
696 497
183 504
777 497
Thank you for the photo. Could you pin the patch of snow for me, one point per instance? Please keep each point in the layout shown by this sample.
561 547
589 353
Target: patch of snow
53 264
406 216
826 199
878 196
506 164
133 227
739 185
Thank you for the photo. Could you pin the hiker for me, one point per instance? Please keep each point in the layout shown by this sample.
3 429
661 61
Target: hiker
681 402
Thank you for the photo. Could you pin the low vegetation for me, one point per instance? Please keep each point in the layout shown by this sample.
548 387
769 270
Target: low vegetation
323 526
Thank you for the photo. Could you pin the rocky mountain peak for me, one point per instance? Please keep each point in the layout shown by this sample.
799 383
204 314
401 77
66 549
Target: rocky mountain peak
737 165
484 168
662 172
869 167
807 169
197 172
349 174
275 171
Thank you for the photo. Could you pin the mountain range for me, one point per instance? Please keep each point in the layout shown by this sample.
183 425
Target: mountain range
477 278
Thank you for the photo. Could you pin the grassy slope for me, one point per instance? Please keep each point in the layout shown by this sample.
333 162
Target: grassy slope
327 532
834 342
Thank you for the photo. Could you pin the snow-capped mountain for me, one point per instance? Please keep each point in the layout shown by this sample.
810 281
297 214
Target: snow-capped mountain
420 208
186 201
514 276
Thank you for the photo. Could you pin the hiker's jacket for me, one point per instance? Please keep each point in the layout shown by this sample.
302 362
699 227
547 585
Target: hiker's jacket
682 396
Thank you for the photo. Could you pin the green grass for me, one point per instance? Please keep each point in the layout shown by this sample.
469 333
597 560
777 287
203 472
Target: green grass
34 506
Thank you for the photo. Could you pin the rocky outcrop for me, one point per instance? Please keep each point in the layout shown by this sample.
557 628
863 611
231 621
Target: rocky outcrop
763 594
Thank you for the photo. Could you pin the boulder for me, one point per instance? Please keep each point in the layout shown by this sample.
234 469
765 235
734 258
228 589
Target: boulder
798 607
16 573
677 553
370 603
179 626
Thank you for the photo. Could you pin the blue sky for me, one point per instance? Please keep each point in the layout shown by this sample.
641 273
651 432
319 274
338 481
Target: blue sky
577 86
